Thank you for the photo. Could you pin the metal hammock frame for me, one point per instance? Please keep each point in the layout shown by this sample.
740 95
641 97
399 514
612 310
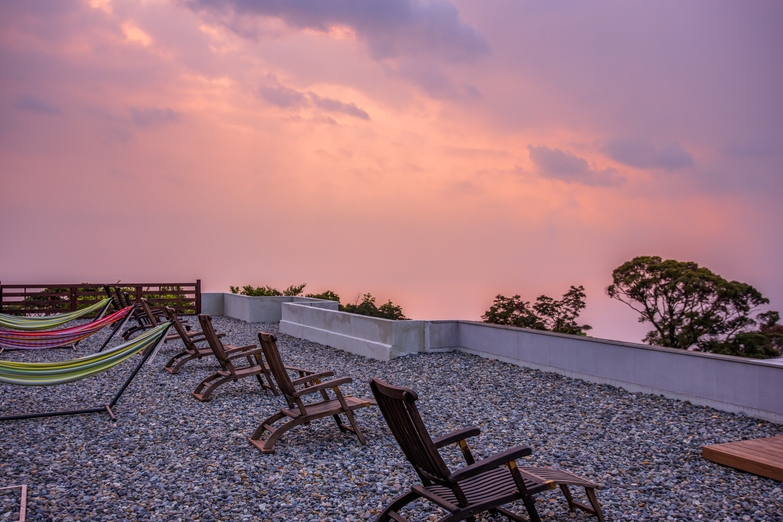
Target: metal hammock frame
61 372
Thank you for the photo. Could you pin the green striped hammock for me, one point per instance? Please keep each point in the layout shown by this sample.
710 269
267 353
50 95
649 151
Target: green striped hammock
61 372
32 324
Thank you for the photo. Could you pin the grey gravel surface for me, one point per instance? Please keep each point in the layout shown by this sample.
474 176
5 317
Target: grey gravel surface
170 457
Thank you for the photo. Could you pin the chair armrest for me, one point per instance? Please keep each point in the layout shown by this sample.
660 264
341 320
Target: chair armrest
311 377
323 386
230 348
235 354
456 436
301 371
495 461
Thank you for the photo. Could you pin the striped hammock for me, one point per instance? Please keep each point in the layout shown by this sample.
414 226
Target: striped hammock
56 338
61 372
31 324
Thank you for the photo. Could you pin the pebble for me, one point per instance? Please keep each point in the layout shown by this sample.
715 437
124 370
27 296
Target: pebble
170 457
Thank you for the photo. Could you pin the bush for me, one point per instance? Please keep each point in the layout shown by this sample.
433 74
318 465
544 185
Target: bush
363 305
367 307
264 291
328 295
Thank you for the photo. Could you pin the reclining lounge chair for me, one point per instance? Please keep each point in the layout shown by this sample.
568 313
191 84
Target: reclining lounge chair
481 486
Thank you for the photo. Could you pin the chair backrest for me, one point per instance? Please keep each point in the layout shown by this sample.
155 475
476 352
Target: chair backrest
214 341
148 311
178 326
121 298
398 406
115 301
275 362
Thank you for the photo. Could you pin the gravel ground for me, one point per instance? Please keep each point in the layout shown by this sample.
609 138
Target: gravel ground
170 457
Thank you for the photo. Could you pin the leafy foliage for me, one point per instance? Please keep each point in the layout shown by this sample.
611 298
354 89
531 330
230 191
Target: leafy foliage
264 291
328 295
691 307
363 305
545 314
368 307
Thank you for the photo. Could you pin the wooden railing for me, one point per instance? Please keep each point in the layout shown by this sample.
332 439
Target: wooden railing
56 299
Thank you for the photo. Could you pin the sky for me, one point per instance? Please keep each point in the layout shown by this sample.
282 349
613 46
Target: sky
435 153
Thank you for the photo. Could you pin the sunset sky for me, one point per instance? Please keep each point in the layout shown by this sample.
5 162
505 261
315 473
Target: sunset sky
435 153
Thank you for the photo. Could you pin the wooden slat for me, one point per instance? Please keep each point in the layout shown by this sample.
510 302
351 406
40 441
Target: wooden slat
762 457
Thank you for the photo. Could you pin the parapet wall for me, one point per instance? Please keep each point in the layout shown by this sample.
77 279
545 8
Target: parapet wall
727 383
381 339
267 309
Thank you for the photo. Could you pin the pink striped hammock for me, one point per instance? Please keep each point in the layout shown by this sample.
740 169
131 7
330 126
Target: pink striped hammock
16 340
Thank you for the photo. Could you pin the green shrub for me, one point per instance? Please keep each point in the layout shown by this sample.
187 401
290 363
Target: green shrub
263 291
367 307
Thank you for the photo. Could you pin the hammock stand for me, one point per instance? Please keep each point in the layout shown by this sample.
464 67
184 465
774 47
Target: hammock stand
34 324
75 369
15 340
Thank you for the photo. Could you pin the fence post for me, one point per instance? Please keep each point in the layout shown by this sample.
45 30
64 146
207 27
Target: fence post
72 297
1 296
198 296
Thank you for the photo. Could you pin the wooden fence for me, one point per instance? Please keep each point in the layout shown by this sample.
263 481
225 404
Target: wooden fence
56 299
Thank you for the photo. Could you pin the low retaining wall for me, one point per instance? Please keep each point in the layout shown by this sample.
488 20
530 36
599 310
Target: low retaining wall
266 309
381 339
734 384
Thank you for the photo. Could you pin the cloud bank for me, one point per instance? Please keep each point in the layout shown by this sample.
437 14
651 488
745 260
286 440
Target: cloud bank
639 153
390 28
565 166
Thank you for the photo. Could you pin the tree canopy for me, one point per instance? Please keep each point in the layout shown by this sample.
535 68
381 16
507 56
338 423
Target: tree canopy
691 307
545 314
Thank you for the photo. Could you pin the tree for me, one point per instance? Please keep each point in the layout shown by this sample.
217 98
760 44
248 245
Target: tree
545 314
691 307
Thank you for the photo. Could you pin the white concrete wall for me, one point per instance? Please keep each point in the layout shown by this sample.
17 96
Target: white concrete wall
263 309
212 303
380 339
727 383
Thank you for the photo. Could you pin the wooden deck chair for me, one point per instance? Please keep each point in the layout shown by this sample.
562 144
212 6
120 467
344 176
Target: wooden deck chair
227 355
481 486
146 317
196 344
299 412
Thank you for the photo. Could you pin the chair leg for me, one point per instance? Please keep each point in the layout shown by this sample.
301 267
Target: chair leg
573 504
590 492
268 445
356 430
508 514
530 505
569 498
265 386
270 380
208 385
177 362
